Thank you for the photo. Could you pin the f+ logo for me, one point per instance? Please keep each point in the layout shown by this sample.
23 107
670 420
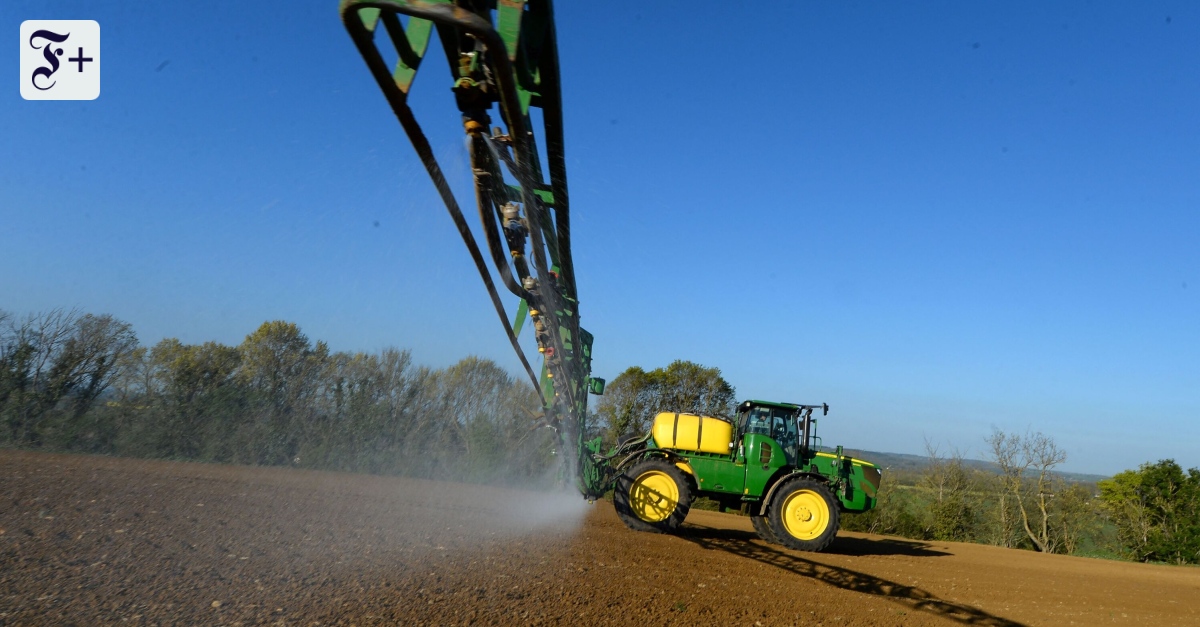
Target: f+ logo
44 77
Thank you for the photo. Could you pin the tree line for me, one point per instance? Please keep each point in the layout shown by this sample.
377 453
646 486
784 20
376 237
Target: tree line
1151 514
83 383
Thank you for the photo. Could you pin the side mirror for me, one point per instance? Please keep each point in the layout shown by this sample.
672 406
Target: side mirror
596 385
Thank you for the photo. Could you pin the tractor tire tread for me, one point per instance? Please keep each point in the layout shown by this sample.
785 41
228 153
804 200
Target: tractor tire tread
625 510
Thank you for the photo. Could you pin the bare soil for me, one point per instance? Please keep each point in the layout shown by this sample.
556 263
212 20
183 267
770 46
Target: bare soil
92 540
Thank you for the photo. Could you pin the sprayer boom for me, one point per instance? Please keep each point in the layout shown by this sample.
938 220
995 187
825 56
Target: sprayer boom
503 63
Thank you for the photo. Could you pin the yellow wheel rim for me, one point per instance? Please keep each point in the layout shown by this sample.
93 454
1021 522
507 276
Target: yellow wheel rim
805 515
653 496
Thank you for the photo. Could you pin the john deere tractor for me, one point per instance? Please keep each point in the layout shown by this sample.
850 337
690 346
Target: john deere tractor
764 461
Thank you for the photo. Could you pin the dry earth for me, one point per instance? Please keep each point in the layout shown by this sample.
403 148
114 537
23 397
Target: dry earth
91 540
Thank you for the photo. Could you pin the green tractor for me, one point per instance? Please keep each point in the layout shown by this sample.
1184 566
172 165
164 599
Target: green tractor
765 462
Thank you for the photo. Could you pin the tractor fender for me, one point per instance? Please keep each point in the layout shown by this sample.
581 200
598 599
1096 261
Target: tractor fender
673 458
762 504
651 453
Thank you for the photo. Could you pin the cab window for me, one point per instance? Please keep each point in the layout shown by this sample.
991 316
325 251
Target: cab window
757 420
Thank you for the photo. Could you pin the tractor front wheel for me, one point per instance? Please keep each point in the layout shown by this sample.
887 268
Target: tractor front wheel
804 515
652 496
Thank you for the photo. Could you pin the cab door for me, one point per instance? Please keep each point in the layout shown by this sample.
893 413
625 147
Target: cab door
762 454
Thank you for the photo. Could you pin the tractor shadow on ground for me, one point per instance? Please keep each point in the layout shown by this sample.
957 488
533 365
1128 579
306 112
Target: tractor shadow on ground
858 547
748 545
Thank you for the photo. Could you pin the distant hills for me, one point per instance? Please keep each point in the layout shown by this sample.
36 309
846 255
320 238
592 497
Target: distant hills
917 463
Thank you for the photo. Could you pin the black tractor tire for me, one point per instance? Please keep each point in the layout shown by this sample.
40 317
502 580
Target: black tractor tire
763 528
804 515
652 496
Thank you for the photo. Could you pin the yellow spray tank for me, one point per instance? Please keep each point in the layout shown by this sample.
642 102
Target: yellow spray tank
689 432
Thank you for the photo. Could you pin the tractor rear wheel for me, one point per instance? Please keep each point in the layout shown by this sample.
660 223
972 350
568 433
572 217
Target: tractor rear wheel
652 496
804 515
762 527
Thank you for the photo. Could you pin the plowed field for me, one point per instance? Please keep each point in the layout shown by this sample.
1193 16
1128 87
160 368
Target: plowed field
91 540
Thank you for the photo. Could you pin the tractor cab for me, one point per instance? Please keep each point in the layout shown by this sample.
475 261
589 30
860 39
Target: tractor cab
791 426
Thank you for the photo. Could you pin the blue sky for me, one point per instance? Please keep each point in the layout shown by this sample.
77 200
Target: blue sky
936 218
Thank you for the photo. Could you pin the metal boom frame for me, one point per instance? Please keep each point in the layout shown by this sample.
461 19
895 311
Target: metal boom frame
511 62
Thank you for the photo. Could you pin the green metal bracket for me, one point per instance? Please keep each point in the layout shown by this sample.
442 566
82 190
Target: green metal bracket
522 313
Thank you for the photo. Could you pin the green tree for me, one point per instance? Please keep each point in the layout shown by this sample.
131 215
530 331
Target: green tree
952 513
125 406
280 368
1075 516
53 367
484 416
29 351
195 393
91 359
1157 511
635 396
279 361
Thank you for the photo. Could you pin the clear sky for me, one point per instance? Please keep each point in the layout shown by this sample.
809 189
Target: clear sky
936 218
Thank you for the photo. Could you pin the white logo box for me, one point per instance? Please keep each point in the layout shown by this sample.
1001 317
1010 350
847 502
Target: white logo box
60 59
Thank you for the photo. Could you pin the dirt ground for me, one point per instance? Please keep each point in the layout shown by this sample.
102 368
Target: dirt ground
92 540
